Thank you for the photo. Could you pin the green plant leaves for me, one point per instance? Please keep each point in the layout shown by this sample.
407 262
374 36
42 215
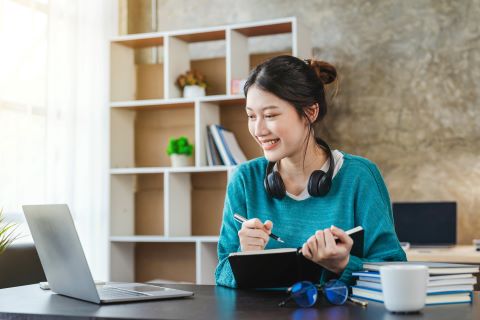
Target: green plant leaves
179 146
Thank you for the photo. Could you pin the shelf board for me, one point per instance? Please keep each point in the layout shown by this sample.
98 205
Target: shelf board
201 35
249 29
144 170
265 30
177 102
130 239
140 40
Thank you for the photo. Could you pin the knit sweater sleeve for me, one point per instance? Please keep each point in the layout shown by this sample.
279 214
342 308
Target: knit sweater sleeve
373 211
234 203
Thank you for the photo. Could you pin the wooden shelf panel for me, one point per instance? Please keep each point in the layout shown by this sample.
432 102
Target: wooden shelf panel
149 205
171 261
220 99
201 36
140 40
133 239
207 196
263 30
144 170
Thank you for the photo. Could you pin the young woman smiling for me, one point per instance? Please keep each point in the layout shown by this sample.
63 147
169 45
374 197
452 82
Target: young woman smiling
311 193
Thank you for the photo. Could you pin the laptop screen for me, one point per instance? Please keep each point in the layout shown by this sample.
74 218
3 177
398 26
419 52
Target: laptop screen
426 223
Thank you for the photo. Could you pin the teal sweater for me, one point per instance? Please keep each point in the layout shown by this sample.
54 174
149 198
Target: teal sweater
358 197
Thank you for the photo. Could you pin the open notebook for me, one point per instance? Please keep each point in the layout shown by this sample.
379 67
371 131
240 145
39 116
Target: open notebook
275 268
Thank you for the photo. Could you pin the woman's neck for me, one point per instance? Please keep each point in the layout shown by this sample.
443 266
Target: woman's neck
296 169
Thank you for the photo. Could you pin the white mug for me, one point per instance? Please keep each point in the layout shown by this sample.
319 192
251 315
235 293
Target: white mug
404 287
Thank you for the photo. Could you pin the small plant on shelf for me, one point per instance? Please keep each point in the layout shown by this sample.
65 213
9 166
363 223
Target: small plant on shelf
192 83
180 152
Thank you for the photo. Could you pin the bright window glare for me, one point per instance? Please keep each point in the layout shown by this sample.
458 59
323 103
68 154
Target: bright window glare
23 91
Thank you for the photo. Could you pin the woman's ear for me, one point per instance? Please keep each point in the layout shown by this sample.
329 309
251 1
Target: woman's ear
312 112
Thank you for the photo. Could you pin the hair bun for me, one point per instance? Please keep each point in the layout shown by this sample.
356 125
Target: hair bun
324 70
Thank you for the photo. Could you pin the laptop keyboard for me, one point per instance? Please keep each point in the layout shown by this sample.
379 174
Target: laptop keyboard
115 293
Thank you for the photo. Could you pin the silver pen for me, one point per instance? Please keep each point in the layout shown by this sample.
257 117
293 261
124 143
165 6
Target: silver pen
242 219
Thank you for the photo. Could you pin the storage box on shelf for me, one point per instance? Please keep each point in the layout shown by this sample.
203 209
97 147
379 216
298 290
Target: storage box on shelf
164 221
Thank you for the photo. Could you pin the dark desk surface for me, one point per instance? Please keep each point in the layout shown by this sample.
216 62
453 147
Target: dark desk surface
209 302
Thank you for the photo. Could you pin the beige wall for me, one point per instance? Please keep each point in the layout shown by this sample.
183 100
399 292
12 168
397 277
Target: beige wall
409 91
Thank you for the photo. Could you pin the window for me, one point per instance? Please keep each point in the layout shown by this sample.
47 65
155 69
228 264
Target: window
23 92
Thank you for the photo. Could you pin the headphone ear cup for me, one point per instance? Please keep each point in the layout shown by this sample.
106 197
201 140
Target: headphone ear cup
318 184
274 185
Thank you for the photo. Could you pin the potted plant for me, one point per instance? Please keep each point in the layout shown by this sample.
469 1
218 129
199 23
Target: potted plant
192 83
180 152
7 233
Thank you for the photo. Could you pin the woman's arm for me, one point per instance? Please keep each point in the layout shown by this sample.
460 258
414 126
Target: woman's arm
229 242
373 211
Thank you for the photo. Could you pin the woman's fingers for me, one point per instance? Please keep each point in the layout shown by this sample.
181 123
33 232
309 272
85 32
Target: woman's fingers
254 223
306 251
341 235
330 244
257 233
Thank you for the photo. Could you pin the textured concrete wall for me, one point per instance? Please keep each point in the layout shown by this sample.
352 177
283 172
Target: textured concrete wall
409 94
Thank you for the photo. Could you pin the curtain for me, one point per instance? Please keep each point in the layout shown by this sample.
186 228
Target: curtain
77 119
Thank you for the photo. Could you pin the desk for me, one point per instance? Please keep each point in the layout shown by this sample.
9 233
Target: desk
209 302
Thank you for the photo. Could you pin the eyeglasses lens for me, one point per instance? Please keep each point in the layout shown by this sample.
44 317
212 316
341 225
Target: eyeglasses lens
304 293
336 292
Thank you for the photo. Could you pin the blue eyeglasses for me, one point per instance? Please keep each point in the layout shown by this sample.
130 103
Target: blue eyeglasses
305 293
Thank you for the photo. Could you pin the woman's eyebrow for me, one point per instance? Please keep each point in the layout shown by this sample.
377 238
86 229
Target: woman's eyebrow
264 108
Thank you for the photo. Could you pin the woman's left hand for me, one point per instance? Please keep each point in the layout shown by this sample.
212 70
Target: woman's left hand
322 249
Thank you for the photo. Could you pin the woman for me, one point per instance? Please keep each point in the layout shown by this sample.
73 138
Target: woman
285 190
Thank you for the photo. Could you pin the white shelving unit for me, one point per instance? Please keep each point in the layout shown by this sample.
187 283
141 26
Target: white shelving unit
164 221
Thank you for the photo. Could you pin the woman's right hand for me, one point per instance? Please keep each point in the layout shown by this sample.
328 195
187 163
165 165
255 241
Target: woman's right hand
254 234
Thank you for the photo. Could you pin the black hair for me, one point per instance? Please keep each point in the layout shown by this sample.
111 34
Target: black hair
299 82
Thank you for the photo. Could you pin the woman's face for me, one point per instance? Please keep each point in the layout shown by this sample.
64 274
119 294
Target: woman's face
275 125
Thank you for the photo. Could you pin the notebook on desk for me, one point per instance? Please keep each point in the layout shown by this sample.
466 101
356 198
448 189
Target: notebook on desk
276 268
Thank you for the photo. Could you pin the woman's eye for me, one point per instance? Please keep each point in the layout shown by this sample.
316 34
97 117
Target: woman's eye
270 116
250 116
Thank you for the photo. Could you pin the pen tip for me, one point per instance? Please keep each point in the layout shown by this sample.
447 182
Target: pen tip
280 240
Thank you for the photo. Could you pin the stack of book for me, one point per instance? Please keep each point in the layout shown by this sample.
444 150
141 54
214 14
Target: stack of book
223 147
448 283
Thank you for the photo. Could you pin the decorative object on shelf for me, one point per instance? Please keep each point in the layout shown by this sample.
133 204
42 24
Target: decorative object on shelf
237 86
192 83
180 152
7 233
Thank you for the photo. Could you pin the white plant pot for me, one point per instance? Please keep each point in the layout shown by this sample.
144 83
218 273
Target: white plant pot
193 91
181 160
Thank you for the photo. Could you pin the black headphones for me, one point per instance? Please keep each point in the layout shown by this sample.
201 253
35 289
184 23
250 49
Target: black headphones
319 182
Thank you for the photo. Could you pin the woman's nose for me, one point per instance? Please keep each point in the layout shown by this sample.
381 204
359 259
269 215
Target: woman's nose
260 128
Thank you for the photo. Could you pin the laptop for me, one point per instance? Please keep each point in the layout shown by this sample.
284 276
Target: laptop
66 267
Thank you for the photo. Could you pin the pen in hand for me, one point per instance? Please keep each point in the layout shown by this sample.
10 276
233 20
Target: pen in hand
242 219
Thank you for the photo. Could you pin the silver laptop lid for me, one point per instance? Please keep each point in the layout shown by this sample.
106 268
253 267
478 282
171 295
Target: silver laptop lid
60 251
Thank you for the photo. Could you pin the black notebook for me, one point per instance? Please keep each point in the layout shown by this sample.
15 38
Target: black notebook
276 268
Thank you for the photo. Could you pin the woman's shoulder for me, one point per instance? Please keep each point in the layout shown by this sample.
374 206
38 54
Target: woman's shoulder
358 165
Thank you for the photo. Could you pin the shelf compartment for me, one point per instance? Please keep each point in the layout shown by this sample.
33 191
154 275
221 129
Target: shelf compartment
193 51
168 261
230 114
137 70
195 203
139 137
149 205
207 261
208 196
137 205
